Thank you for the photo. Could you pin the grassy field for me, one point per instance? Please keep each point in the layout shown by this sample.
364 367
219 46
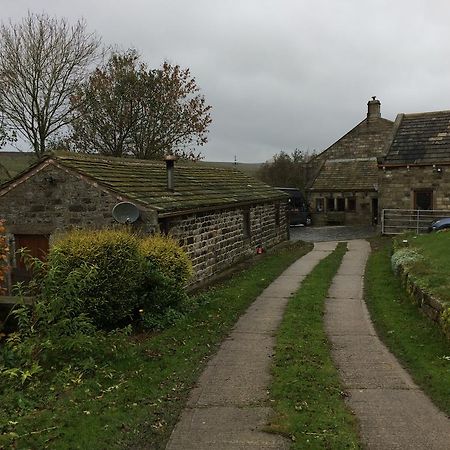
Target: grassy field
133 401
433 272
308 397
419 344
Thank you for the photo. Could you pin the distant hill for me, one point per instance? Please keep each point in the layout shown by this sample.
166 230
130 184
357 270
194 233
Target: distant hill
249 168
12 163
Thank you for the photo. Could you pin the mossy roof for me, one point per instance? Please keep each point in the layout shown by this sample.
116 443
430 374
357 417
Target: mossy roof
420 138
196 186
347 175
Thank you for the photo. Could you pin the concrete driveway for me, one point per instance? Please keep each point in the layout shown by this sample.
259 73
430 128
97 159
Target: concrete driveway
331 233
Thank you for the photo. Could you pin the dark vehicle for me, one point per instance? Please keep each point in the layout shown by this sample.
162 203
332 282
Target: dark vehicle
299 213
440 224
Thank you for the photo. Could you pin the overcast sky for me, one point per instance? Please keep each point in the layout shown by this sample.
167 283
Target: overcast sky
281 74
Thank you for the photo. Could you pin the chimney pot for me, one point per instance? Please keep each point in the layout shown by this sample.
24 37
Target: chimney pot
170 163
373 109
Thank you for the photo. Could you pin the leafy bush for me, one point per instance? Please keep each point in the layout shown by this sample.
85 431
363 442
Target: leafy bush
405 257
97 273
166 255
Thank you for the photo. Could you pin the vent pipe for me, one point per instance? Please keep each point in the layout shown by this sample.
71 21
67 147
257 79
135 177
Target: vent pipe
170 163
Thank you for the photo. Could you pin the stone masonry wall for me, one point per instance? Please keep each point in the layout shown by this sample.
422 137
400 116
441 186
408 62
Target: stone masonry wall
55 200
362 215
215 240
397 186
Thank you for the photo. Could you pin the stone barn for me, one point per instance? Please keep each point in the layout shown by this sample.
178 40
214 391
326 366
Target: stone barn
344 187
219 215
415 172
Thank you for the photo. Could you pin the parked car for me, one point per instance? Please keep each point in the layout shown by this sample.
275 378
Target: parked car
440 224
299 213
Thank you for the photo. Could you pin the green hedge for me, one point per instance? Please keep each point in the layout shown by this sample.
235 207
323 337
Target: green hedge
168 257
98 272
110 274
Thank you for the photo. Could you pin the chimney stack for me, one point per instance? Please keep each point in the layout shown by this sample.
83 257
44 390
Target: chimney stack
170 162
373 109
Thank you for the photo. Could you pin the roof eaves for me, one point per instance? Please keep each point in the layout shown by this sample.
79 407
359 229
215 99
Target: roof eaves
181 212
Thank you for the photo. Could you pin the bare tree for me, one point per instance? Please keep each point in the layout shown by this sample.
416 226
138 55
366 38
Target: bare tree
42 62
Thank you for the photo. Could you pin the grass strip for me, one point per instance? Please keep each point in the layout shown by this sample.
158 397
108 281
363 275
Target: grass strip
134 401
308 398
419 344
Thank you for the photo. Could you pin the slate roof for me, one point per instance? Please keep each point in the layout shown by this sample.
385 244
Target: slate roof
350 164
196 186
347 175
421 138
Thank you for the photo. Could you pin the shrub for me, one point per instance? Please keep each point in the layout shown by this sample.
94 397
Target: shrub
98 273
405 257
166 255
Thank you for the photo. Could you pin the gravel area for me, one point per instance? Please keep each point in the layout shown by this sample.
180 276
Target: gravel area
332 233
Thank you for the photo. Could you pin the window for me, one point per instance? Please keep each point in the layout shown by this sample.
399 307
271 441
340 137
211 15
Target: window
330 204
423 199
319 204
341 204
246 224
351 203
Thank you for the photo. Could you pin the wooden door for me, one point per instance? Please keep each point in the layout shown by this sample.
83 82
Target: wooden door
37 246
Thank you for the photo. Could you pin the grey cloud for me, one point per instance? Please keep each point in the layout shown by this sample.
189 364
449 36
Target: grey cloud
283 74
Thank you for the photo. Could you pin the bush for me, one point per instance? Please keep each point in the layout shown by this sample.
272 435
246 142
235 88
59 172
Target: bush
98 273
168 270
166 255
405 257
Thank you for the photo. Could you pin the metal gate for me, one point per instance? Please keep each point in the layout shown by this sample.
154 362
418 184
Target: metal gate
396 221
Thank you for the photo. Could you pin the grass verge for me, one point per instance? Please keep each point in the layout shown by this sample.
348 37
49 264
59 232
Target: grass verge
134 400
308 397
432 270
419 344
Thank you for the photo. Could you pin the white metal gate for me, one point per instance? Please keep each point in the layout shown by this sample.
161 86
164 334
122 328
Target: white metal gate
396 221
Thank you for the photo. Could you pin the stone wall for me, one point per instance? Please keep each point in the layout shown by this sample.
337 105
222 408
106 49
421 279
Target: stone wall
367 139
55 200
430 305
362 215
397 186
217 239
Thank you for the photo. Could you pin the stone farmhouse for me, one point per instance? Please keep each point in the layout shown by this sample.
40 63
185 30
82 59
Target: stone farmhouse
219 215
344 187
415 172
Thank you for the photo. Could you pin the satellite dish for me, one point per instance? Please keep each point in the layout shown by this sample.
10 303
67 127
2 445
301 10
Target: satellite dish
125 212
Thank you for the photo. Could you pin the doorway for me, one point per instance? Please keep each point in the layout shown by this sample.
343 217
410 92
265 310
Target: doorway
37 246
374 211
